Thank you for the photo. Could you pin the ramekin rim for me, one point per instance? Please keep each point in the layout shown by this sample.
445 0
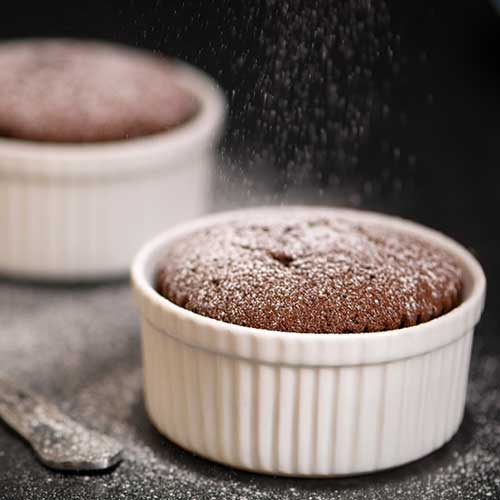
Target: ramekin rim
473 300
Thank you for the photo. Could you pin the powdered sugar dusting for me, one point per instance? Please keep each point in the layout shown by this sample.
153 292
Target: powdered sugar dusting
309 272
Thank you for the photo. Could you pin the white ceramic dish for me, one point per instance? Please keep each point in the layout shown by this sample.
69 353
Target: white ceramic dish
305 404
77 212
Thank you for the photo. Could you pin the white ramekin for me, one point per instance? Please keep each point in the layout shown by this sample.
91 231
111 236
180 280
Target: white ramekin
81 211
305 404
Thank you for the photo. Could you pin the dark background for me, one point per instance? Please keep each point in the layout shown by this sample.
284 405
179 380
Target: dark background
433 156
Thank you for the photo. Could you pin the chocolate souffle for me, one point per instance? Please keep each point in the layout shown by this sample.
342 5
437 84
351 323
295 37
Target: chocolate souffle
309 272
71 91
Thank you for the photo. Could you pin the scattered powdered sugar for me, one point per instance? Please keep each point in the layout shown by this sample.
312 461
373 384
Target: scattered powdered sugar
309 271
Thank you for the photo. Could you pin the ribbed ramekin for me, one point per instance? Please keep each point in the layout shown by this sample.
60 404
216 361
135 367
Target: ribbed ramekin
305 404
81 211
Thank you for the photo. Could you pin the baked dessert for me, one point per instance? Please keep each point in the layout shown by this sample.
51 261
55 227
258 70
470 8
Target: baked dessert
310 272
73 91
124 142
306 405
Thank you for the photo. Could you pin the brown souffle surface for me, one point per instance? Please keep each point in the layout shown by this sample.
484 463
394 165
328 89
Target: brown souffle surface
309 272
82 91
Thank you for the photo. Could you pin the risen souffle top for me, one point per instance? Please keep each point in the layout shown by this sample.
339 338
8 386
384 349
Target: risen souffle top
309 271
79 91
